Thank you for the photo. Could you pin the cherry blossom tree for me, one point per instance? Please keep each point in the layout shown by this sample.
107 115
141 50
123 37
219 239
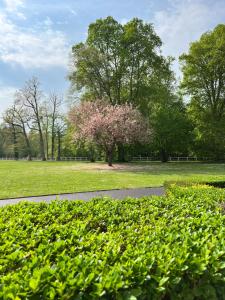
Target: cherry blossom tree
107 125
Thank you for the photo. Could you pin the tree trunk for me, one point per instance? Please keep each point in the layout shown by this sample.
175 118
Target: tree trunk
110 157
42 145
59 146
53 144
16 153
53 135
47 147
92 154
164 156
29 156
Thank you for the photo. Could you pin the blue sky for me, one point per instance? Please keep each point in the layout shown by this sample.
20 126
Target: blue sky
36 35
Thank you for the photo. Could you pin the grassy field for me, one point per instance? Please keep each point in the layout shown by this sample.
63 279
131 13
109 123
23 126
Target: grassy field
19 179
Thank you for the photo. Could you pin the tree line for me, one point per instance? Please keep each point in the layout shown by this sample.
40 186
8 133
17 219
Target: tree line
120 66
32 123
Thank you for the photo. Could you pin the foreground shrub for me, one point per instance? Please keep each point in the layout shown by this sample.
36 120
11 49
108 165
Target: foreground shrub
169 247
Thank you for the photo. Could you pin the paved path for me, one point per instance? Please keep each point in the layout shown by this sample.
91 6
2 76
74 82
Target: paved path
118 194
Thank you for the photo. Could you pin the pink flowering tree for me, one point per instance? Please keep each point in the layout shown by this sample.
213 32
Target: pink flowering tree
107 125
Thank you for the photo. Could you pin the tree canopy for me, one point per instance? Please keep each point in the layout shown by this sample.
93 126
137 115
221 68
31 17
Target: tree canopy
204 80
119 63
106 125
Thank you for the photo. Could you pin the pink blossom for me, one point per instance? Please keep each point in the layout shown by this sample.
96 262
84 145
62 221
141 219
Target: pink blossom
107 125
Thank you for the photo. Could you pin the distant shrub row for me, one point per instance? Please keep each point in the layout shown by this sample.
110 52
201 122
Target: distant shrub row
217 184
169 247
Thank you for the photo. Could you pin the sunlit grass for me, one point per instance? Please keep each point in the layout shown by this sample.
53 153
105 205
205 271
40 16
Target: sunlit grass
23 178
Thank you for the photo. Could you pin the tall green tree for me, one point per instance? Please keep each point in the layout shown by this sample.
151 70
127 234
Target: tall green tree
172 129
121 64
118 63
204 80
98 63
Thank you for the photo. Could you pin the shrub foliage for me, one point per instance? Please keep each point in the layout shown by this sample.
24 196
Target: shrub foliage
169 247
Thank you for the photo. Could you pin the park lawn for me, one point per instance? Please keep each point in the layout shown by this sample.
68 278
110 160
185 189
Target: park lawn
22 178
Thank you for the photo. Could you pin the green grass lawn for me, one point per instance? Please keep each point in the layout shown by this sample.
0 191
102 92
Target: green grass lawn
23 178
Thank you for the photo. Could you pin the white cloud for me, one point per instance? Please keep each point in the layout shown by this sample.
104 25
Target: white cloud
13 5
73 12
184 22
48 22
6 97
123 21
32 48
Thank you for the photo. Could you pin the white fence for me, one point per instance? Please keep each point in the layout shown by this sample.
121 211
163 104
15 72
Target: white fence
49 159
136 158
171 158
183 158
72 158
144 158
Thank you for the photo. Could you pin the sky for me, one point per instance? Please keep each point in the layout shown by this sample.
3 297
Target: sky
36 35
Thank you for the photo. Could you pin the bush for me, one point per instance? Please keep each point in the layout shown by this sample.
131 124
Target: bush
217 184
169 247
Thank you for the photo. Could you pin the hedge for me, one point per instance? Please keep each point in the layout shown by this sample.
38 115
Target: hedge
169 247
217 184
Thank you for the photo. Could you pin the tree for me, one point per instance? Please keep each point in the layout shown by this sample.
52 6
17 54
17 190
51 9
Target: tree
2 141
45 112
107 125
17 116
204 80
31 98
116 62
98 63
60 129
120 64
55 105
34 118
172 129
9 119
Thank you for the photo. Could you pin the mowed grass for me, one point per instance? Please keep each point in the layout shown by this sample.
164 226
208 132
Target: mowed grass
18 179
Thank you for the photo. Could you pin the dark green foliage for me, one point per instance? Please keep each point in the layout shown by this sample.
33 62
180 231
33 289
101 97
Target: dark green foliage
172 130
149 248
120 63
217 184
123 64
204 80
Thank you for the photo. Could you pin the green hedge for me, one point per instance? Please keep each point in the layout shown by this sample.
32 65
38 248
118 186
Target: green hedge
169 247
217 184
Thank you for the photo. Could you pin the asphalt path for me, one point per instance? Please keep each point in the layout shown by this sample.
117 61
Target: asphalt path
116 194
